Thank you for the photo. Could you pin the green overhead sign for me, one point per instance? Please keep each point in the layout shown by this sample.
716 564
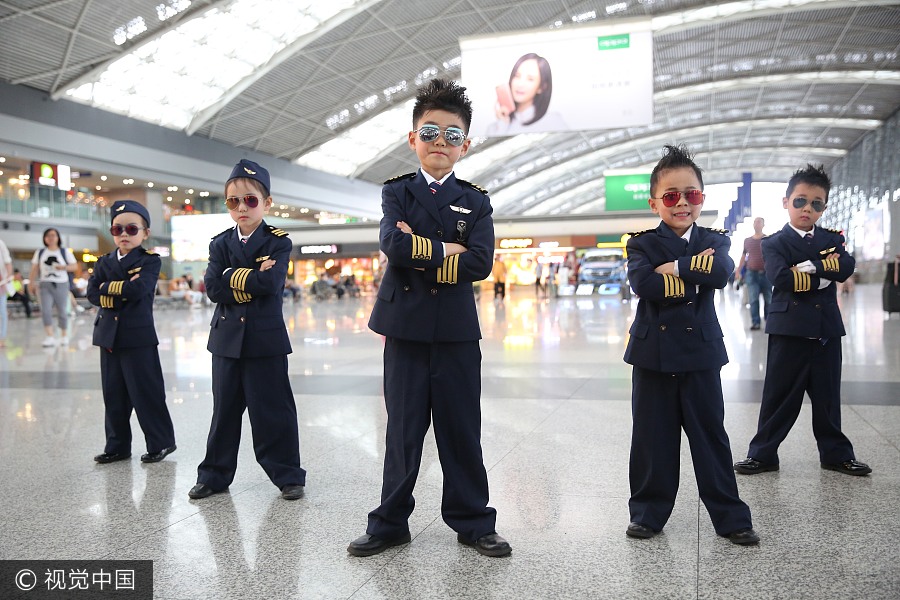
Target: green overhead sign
627 192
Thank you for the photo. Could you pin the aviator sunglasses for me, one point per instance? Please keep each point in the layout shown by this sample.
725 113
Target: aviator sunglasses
130 229
232 202
429 133
670 199
817 205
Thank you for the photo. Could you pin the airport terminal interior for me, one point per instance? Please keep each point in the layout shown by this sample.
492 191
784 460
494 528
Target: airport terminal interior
556 433
155 101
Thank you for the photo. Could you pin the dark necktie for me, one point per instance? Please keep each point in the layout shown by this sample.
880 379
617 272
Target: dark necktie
808 238
243 240
434 186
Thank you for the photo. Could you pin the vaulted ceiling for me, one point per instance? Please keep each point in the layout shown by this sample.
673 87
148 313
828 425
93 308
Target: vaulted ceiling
758 85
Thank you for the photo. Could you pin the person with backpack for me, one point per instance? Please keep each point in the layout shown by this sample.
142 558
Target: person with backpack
49 281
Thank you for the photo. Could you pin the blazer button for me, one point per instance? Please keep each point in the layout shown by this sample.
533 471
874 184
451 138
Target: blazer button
818 306
690 302
662 327
796 303
242 319
688 329
222 317
440 233
434 291
116 318
405 288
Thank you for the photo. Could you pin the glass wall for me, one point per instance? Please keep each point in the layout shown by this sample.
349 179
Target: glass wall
864 200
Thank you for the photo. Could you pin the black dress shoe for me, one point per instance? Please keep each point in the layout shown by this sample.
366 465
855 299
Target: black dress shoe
849 467
636 530
108 457
754 327
369 545
151 457
744 537
292 492
751 466
491 544
201 490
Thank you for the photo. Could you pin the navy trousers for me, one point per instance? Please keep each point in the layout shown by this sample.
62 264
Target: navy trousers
663 404
262 387
442 380
794 366
132 379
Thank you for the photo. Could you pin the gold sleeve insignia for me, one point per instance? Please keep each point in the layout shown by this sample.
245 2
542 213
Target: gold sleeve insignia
674 286
276 231
702 263
107 302
421 248
238 279
449 271
242 297
802 282
831 264
114 288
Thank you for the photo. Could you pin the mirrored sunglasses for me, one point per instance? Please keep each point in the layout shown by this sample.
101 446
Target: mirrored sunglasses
429 133
817 205
232 202
130 229
695 197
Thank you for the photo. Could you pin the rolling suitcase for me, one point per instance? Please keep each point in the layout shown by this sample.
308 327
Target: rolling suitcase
890 299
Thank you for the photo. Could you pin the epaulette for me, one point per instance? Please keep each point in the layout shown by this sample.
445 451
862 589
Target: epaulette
637 233
218 235
276 231
719 231
473 186
400 177
149 253
837 231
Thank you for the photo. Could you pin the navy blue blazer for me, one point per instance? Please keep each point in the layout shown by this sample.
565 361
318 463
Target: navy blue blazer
437 303
798 306
675 328
125 318
248 321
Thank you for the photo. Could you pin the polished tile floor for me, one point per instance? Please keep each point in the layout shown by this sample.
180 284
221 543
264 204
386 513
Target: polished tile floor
556 432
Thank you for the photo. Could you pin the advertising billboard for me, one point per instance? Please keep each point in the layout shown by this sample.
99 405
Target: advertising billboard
572 79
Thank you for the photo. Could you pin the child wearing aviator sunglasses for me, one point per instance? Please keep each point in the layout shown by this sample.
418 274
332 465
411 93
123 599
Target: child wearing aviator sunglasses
248 265
677 350
438 235
803 262
123 285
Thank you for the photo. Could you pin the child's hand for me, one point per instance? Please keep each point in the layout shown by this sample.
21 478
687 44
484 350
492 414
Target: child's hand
136 275
832 255
707 252
453 248
402 226
666 268
267 264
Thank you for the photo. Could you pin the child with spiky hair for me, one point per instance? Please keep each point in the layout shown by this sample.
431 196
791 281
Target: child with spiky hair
803 262
677 350
438 235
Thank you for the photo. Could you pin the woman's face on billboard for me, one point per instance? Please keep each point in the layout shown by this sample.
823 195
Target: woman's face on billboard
526 83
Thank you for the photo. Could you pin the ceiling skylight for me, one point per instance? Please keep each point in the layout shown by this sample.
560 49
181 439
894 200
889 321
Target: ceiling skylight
358 146
172 77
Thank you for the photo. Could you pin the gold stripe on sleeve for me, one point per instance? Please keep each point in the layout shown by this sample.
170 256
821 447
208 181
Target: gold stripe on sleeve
238 279
448 272
674 287
421 248
831 264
